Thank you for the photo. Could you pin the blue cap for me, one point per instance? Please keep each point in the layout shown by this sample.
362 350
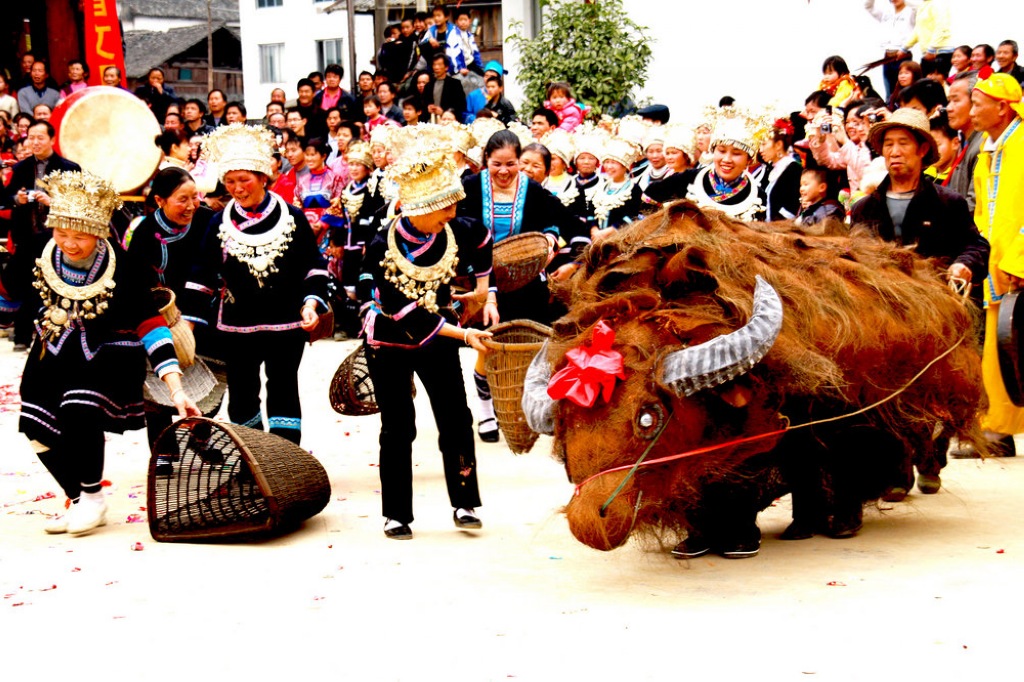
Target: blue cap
495 66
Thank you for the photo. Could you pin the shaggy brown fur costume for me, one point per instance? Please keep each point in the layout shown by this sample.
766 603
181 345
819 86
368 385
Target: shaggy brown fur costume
861 318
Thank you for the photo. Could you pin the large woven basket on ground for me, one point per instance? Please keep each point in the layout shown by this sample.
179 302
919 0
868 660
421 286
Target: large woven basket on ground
519 259
231 483
510 352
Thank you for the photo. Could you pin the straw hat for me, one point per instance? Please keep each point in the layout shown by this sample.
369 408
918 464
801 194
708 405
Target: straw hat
1004 87
80 201
908 119
425 169
239 147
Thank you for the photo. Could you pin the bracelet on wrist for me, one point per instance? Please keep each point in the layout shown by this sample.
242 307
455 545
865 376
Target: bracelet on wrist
465 336
177 391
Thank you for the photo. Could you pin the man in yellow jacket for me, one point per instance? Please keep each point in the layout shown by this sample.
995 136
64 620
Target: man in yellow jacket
996 111
932 33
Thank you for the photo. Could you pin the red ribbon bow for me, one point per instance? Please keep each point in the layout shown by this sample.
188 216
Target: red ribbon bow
592 370
984 72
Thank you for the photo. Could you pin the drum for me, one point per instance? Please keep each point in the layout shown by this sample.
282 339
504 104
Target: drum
110 132
1009 342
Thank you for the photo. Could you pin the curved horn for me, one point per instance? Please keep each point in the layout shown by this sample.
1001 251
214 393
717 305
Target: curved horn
537 404
726 357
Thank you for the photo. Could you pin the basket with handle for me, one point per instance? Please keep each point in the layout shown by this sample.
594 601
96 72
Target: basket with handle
231 482
519 259
509 353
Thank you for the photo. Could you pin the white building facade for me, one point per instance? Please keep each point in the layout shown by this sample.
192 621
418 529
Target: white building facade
284 40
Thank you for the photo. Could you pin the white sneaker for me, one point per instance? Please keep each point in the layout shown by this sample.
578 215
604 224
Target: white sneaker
89 514
57 525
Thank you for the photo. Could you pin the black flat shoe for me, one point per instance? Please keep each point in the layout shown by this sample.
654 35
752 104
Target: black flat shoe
489 436
692 547
466 518
400 532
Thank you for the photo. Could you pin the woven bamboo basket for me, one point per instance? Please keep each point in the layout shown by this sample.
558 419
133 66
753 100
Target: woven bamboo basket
510 352
231 483
519 259
351 390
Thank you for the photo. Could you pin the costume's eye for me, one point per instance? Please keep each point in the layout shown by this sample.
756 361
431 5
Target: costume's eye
649 420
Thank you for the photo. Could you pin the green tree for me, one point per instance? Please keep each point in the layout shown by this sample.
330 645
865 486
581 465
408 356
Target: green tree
593 45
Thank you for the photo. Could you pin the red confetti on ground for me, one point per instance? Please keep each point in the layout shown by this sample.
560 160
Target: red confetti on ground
347 433
112 582
1000 551
105 483
142 509
76 569
133 518
330 546
137 547
20 603
836 583
44 496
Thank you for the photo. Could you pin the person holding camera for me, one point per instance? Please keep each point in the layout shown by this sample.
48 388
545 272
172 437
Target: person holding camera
840 143
30 208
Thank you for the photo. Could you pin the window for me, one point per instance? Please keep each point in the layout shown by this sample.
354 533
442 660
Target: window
270 63
262 4
328 52
184 74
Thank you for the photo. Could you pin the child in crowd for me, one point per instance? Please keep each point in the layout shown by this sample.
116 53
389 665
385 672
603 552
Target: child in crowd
468 57
496 101
947 144
560 101
374 117
814 204
411 111
837 81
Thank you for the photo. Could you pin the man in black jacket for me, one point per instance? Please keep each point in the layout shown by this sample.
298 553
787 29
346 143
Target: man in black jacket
908 209
447 92
30 205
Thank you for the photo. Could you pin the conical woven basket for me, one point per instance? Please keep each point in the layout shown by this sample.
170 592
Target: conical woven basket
509 353
519 259
230 482
184 340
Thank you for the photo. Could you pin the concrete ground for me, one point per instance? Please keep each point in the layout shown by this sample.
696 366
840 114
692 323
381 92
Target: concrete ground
930 588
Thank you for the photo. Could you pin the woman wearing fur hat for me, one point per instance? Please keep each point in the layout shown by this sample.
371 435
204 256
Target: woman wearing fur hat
96 325
260 256
412 328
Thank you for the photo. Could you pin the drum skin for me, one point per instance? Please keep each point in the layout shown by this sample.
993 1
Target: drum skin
110 132
1009 340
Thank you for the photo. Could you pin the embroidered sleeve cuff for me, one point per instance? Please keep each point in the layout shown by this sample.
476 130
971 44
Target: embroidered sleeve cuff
167 367
194 320
321 306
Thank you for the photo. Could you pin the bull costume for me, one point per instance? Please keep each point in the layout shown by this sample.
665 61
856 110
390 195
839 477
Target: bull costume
411 327
96 326
261 260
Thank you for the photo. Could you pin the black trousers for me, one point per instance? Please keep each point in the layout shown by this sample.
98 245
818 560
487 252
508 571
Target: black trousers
279 353
438 367
75 460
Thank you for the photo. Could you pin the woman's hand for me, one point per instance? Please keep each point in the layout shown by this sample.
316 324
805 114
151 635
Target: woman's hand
474 338
309 318
491 316
564 272
185 405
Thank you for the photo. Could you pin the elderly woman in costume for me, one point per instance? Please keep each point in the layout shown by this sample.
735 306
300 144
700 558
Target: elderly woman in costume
509 203
97 323
411 327
166 244
725 185
261 259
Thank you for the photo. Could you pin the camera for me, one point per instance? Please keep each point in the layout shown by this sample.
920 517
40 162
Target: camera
873 118
30 195
826 128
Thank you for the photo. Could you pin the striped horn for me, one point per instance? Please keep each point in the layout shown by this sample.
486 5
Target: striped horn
726 357
537 405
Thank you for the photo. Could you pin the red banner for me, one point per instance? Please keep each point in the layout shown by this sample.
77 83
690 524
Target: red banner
103 46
